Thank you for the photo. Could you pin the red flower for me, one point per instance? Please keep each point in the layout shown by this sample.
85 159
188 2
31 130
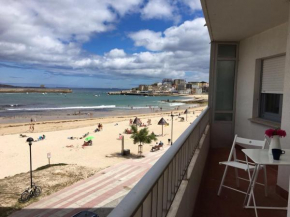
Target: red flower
274 132
269 132
281 133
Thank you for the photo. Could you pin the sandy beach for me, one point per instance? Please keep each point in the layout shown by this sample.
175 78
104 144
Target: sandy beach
14 151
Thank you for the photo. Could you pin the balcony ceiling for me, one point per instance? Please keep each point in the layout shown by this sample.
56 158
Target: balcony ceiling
234 20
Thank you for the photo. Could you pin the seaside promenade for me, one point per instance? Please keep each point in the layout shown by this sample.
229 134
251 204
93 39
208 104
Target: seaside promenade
99 193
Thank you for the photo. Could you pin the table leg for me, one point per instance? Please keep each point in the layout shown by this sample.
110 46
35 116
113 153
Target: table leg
254 179
250 179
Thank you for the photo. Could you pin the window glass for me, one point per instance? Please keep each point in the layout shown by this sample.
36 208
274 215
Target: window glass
223 117
225 85
271 106
227 50
272 103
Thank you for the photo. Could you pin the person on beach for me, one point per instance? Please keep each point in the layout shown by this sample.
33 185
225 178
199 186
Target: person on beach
120 136
149 122
41 137
100 126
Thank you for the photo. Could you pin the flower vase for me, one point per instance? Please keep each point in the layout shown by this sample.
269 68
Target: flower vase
275 143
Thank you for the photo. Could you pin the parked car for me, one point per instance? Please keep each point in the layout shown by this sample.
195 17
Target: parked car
85 214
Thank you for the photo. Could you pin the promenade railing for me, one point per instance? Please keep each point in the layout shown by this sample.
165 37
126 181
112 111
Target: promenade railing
153 195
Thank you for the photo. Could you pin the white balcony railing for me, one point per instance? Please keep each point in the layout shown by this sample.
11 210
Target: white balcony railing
153 195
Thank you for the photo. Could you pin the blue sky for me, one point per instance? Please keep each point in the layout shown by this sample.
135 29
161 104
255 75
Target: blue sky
102 43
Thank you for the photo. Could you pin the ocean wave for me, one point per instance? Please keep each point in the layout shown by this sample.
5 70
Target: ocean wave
62 108
137 107
176 104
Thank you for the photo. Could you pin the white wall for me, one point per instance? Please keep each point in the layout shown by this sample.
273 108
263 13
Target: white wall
284 172
266 44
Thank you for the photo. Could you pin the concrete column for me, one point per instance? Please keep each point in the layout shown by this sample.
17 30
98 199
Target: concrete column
284 171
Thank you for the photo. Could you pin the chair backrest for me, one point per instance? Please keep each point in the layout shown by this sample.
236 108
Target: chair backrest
245 143
250 143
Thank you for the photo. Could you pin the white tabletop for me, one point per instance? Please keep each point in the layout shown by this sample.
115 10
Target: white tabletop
261 156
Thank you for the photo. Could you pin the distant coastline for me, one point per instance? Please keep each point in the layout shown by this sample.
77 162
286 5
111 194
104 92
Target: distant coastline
34 90
128 93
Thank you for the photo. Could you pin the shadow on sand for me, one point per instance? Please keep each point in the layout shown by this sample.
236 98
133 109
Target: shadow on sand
130 156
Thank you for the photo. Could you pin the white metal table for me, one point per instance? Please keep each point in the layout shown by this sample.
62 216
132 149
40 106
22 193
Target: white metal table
261 157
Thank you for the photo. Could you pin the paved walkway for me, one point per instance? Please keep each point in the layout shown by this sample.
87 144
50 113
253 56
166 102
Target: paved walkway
99 193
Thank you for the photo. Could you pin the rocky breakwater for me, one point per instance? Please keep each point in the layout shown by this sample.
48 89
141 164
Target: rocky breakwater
34 90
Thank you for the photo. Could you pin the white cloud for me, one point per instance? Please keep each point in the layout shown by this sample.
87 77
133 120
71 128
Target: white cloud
168 9
116 53
193 4
189 36
147 38
157 9
54 30
49 35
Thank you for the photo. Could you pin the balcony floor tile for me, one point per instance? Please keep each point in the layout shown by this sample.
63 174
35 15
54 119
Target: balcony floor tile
230 203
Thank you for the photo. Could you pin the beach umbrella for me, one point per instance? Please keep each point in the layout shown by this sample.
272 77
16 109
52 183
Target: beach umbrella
137 122
162 122
185 112
89 138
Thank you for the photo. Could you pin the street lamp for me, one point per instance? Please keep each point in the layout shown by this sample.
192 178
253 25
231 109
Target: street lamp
172 115
30 140
185 112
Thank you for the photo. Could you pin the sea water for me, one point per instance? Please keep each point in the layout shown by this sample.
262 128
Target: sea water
80 100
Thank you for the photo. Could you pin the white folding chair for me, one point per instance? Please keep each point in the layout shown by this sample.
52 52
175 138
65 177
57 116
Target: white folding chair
241 164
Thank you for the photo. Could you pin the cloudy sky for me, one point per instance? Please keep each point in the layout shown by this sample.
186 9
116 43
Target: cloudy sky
102 43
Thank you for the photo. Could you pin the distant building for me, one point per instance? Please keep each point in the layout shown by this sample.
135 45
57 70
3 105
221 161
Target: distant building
197 90
199 84
179 81
167 81
202 85
187 91
143 87
189 86
181 87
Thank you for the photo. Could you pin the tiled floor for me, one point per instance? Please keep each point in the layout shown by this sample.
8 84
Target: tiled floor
229 203
95 193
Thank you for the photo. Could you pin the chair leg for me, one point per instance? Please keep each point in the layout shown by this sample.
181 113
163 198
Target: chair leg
237 177
265 181
222 182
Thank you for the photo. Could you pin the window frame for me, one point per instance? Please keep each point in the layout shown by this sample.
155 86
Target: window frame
225 58
261 96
